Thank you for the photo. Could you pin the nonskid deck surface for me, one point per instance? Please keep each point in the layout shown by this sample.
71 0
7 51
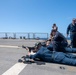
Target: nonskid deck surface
9 65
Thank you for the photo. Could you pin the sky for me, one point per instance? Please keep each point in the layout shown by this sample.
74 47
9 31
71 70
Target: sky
36 15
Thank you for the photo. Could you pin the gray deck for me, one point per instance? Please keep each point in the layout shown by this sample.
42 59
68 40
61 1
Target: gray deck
10 55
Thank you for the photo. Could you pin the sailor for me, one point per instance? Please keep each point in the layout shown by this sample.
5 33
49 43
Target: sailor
59 41
72 29
57 57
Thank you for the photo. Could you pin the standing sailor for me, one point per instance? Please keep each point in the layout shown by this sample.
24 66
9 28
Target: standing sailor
72 29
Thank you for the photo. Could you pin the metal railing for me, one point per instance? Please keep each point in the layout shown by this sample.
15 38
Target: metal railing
23 35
